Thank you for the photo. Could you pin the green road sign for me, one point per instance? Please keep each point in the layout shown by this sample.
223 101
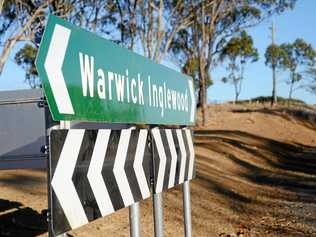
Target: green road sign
88 78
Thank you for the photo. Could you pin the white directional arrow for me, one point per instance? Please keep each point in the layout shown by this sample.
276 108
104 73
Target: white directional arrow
162 158
183 156
191 149
173 152
192 115
62 179
53 65
94 173
119 171
138 164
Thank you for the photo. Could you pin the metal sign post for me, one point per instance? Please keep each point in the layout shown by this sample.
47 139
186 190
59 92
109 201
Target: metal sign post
186 193
173 164
134 220
134 216
187 209
157 197
158 214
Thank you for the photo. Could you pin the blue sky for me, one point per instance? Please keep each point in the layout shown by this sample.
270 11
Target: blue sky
289 26
298 23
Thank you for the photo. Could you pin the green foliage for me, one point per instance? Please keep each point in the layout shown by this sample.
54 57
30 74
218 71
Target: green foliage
294 58
24 21
191 68
274 55
127 22
267 99
242 15
297 54
238 51
240 47
7 16
222 19
311 74
25 58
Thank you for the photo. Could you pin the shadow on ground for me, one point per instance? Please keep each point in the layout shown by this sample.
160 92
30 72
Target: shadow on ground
284 165
17 220
258 177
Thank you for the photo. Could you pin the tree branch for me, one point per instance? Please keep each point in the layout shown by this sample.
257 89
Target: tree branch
10 43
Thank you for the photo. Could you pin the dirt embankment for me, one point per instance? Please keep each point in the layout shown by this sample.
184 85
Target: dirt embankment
256 176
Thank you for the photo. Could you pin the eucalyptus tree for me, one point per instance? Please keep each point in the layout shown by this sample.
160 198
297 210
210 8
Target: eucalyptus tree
147 26
22 24
273 58
238 52
215 22
131 23
298 56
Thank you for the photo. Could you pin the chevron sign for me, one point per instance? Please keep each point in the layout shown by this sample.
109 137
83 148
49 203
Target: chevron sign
173 156
94 173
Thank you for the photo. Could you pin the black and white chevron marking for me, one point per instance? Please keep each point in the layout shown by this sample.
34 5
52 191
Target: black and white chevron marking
96 172
173 156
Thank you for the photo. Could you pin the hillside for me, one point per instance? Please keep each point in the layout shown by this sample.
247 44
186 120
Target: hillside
256 176
261 168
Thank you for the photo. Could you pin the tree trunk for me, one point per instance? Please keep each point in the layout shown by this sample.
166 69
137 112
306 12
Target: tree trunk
198 104
6 52
202 98
235 81
202 69
10 43
202 92
236 98
290 93
274 95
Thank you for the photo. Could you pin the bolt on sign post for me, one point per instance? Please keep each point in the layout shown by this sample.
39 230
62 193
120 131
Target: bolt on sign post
94 173
88 78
